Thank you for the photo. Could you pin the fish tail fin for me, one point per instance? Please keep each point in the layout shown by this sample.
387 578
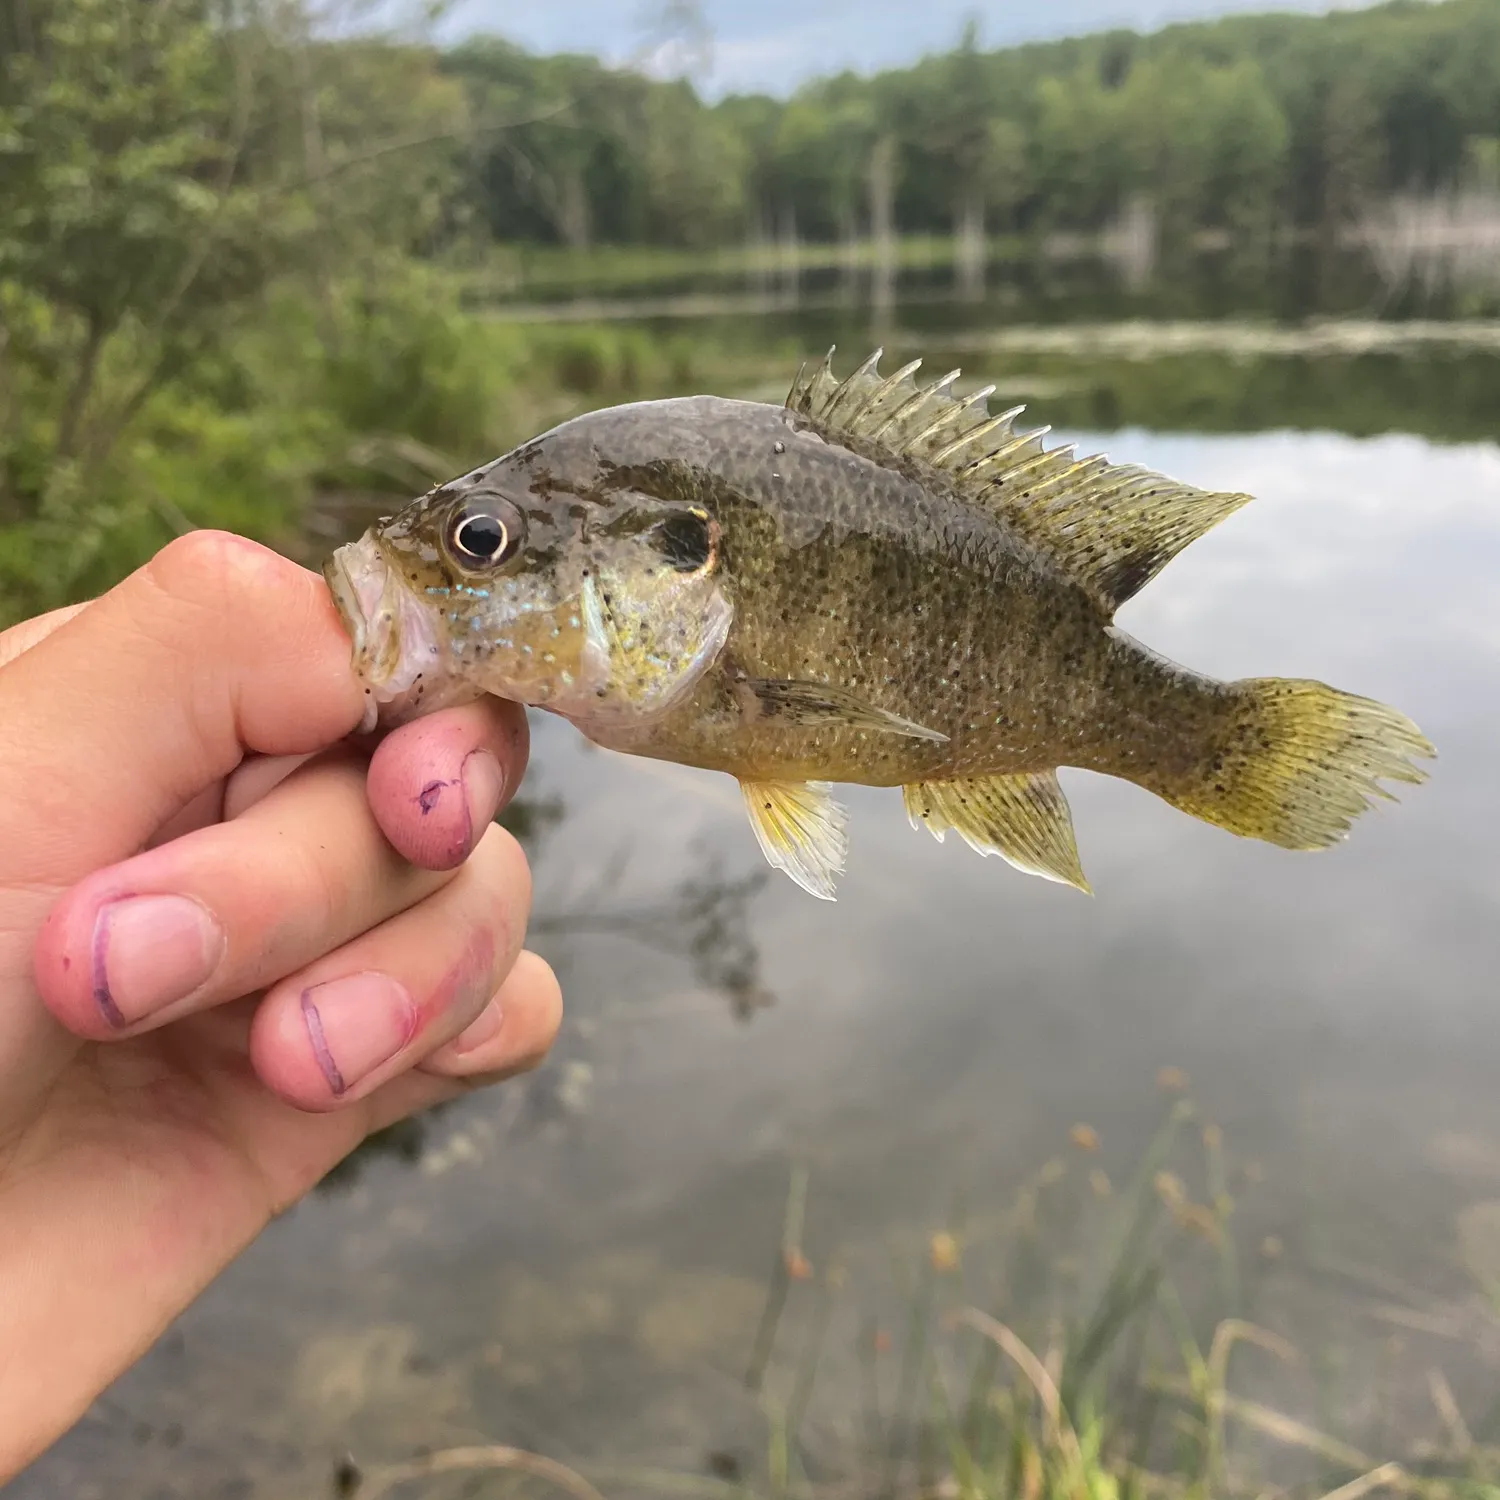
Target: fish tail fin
1295 762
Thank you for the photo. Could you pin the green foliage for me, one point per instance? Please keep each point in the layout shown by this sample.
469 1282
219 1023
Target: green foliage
1244 125
570 152
233 249
201 211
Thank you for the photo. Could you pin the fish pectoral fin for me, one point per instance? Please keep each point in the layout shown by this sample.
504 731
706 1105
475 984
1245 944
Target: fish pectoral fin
1024 819
815 703
801 830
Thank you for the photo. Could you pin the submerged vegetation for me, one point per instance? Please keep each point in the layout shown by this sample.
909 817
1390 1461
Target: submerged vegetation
1084 1342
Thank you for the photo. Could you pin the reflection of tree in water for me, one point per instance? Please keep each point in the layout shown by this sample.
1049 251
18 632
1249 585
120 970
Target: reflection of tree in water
704 921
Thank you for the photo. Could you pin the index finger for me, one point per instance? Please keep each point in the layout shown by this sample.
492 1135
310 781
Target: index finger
28 633
138 703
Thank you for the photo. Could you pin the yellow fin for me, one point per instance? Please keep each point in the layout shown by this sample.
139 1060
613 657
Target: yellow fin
1297 763
1024 819
801 830
1113 527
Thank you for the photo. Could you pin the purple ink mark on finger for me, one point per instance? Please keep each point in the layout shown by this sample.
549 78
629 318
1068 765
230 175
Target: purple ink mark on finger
102 997
314 1023
430 795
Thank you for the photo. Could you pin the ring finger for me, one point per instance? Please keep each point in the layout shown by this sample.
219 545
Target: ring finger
357 1017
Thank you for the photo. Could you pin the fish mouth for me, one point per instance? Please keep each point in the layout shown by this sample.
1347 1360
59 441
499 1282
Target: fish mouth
346 599
395 652
371 602
340 572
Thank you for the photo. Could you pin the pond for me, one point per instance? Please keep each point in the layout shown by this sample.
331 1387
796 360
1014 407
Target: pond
588 1265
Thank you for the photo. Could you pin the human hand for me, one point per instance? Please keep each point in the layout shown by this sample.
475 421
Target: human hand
217 972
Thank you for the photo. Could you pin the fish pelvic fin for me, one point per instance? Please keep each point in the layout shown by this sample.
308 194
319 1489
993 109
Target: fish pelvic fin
1296 763
1112 527
801 830
1024 819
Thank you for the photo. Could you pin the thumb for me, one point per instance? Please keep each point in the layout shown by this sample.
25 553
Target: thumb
143 699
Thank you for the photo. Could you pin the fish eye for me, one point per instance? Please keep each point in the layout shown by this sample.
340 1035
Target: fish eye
689 540
486 532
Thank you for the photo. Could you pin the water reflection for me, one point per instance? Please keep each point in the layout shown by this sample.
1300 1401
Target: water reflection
591 1288
704 920
1431 258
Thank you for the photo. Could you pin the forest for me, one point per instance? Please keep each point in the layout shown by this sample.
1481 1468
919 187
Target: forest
234 245
1247 124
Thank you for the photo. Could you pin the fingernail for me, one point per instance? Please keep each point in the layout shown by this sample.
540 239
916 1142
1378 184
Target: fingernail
356 1024
484 786
480 1029
149 952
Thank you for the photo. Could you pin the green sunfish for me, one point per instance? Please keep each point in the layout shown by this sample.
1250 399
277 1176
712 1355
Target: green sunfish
877 582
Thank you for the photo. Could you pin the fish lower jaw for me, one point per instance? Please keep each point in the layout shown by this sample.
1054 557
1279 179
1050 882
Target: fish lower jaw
396 655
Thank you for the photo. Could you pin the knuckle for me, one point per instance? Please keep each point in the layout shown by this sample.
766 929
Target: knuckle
215 566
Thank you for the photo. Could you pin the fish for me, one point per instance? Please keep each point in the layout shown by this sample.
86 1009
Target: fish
878 582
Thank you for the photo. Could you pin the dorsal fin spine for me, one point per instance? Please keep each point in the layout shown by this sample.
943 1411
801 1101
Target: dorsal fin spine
915 402
852 383
1112 528
945 419
881 391
973 435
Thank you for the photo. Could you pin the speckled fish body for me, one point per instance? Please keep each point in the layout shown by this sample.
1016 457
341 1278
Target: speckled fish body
876 583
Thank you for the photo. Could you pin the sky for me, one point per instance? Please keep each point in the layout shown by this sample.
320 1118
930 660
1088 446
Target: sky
773 45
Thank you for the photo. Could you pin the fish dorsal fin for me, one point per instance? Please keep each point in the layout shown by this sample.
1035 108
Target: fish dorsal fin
1113 527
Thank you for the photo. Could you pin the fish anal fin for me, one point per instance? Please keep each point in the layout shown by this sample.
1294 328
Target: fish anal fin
818 703
1112 527
1023 818
801 830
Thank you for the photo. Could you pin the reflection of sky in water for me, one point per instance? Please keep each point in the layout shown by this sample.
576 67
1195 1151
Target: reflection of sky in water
1335 1012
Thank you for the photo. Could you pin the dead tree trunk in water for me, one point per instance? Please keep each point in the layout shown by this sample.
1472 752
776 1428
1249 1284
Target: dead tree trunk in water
848 257
760 254
969 249
790 258
573 212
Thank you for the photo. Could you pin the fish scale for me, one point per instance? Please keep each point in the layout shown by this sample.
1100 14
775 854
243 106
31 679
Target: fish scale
877 583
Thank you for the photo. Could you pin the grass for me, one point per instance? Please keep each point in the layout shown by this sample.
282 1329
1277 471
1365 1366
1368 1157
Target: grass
1104 1368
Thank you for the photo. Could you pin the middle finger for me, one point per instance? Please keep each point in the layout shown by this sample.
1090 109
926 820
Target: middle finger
226 910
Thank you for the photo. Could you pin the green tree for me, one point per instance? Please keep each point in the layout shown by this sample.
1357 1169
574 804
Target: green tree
162 168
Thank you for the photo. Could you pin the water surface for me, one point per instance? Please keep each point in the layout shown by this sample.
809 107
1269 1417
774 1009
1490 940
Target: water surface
579 1265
